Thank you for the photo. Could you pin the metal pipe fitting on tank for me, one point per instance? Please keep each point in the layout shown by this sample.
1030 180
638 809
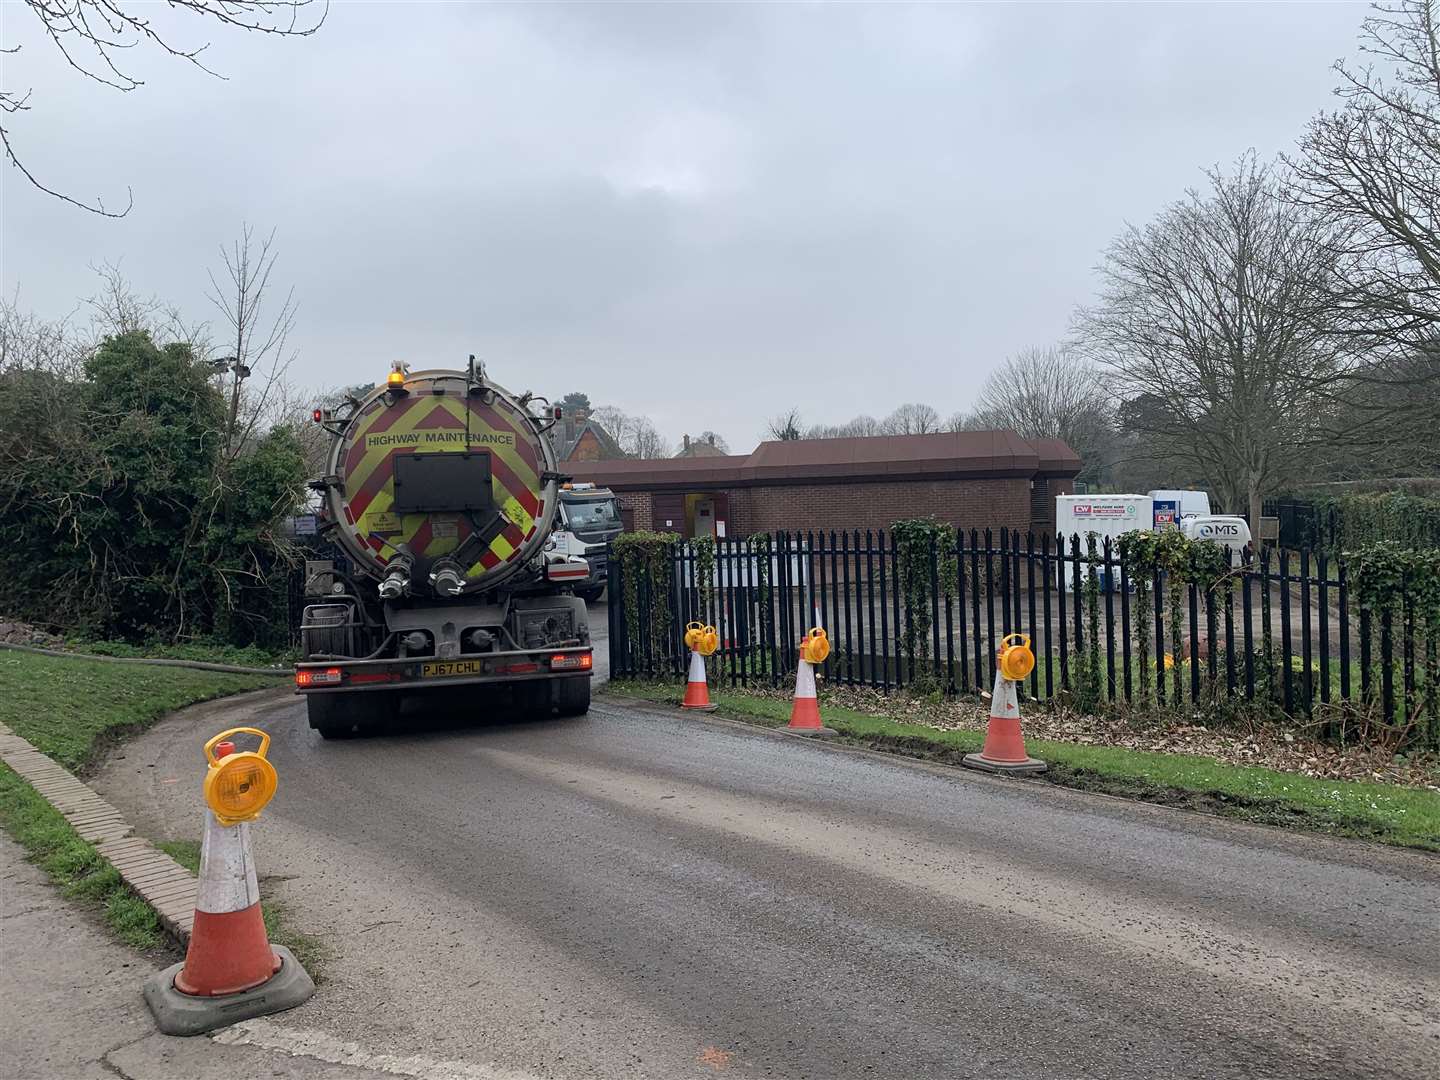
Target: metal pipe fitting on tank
396 582
448 578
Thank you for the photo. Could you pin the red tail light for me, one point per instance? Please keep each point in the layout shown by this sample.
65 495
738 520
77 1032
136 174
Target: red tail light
571 662
328 677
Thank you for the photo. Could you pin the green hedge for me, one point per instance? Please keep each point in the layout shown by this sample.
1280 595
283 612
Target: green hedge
1347 522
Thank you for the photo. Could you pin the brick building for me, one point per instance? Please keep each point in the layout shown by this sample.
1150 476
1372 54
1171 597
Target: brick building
970 478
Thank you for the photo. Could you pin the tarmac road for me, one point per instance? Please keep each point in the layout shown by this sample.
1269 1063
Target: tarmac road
639 894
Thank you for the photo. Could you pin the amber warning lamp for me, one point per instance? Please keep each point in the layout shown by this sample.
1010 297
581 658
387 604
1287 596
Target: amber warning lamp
701 638
1015 660
395 381
238 785
814 646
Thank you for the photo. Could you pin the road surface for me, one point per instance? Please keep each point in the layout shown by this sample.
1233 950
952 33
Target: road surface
637 893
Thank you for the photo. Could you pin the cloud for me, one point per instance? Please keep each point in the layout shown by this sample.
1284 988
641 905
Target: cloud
706 213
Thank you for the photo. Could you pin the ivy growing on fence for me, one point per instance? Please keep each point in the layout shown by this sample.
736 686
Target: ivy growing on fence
1089 689
646 556
1383 576
1183 563
1139 552
921 543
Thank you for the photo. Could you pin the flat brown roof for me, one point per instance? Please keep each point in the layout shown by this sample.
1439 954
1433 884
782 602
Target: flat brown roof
944 455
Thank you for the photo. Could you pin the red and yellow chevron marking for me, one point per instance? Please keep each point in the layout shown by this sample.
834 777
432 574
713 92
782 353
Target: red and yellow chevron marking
426 423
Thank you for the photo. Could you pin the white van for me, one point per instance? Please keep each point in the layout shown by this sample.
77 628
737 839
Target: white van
1174 505
1230 532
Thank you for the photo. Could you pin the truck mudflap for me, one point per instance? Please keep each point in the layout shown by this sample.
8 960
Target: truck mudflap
427 672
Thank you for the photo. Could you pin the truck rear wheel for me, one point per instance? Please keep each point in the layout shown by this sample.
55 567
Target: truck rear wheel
343 716
572 696
328 717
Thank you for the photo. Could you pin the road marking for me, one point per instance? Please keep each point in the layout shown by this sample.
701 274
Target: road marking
322 1046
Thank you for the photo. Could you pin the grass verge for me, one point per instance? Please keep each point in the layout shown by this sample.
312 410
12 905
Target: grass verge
246 656
69 707
1405 817
74 864
310 951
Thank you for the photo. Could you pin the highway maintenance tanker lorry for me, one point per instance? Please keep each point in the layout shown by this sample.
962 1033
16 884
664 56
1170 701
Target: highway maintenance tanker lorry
442 490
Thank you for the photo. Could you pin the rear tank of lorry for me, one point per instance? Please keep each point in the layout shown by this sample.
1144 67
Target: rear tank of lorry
442 490
438 472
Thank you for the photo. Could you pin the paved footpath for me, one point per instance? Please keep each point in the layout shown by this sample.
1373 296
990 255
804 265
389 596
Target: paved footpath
70 1006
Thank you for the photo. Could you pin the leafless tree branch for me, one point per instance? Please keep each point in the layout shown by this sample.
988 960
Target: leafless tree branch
92 35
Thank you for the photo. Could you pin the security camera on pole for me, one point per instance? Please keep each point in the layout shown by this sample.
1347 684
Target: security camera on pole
1004 750
231 971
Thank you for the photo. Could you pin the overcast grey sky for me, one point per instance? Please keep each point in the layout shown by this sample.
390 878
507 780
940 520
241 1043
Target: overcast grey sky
705 213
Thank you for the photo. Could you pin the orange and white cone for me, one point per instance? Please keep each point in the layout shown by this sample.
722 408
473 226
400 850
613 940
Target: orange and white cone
1004 749
229 951
805 712
697 693
231 971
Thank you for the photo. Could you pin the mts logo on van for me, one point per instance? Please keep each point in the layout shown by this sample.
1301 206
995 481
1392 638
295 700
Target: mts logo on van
1229 529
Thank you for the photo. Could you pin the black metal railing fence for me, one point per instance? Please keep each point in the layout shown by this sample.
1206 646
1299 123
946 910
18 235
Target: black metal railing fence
1282 627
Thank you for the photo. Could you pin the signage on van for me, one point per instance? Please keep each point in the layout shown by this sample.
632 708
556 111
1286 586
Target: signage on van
1226 529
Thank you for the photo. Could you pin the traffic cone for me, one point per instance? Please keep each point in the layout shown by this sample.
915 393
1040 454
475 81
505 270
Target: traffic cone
1004 749
229 951
231 971
805 712
697 693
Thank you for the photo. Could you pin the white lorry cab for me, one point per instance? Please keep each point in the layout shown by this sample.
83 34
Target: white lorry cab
1227 531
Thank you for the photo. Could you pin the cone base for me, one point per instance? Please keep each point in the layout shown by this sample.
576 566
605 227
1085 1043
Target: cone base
816 732
984 764
698 708
185 1014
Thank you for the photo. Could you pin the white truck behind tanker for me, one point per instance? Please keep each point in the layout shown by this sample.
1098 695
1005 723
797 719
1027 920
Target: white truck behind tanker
443 492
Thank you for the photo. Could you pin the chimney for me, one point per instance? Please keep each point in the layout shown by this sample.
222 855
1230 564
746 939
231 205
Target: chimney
687 442
711 439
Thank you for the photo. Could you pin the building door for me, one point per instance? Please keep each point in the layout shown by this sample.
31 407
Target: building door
705 517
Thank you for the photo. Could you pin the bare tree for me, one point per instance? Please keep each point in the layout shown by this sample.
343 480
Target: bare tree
1042 394
1207 310
1374 164
30 343
857 427
1047 394
258 339
636 436
786 426
862 426
911 419
119 308
647 442
94 35
1372 167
